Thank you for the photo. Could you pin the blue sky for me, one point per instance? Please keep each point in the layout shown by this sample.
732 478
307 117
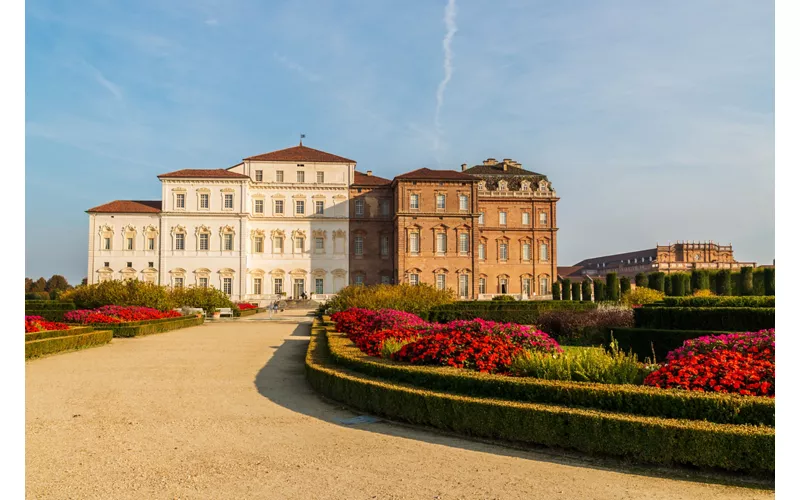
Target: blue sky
653 120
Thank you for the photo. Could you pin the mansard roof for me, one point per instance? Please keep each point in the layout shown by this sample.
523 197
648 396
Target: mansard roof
129 206
369 180
193 173
639 254
502 168
428 174
300 153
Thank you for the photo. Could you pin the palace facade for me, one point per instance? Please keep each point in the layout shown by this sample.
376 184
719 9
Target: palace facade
300 221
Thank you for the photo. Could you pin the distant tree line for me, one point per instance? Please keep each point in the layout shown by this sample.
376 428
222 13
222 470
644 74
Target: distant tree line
42 289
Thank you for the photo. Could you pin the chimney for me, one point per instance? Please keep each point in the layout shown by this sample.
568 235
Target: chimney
490 161
369 173
505 167
508 160
463 167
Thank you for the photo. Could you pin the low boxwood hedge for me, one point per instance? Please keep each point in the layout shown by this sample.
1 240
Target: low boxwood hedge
645 341
637 400
48 314
138 328
248 312
748 301
522 312
49 304
77 330
51 345
729 319
646 439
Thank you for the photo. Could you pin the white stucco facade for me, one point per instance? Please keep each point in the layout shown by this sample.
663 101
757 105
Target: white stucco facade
256 229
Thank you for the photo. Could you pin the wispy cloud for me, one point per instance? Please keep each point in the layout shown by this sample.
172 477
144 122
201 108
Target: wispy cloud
211 22
450 23
112 87
308 75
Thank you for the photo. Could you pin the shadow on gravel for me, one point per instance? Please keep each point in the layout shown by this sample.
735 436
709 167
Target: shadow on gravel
282 380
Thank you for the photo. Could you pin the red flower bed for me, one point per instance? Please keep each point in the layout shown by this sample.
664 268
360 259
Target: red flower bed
245 306
354 322
117 314
39 324
372 343
483 353
750 373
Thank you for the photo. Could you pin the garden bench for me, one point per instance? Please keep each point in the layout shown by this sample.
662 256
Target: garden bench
225 311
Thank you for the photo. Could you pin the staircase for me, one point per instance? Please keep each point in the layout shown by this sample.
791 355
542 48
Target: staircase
301 304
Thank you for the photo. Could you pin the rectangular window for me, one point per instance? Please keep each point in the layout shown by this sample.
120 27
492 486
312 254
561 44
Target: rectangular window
440 282
259 206
526 251
227 240
180 200
279 176
130 264
299 245
502 218
463 286
441 243
259 175
481 285
463 243
463 202
179 241
301 176
320 180
542 218
151 243
482 251
106 243
414 202
413 279
204 200
503 251
359 280
129 243
178 282
385 208
414 243
257 286
150 264
228 201
386 280
277 286
299 207
384 245
319 245
203 282
204 241
359 208
227 286
279 207
543 288
277 245
259 244
105 264
480 218
319 286
319 207
526 218
440 202
526 286
543 251
359 245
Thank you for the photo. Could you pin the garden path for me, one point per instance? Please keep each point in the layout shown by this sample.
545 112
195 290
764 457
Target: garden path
223 411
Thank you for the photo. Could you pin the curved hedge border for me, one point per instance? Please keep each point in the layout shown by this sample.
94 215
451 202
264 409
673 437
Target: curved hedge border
731 319
645 439
148 327
636 400
645 341
52 345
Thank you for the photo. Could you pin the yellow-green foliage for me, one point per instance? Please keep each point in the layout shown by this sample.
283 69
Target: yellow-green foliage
415 299
703 293
581 364
140 293
645 439
391 346
641 296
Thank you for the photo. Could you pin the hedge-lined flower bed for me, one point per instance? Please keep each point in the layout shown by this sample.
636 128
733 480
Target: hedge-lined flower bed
39 324
117 314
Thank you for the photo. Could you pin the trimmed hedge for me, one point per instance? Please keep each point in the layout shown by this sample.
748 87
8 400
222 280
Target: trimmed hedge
645 439
641 280
716 302
49 304
48 314
612 287
556 291
644 341
522 312
248 312
566 289
636 400
576 291
656 281
586 291
599 291
769 280
148 327
728 319
36 348
77 330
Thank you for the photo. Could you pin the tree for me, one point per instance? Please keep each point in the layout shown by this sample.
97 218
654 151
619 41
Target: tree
612 287
769 281
641 280
723 282
586 290
677 285
656 281
84 281
624 285
566 290
599 291
556 290
747 280
667 285
576 291
39 285
28 284
57 283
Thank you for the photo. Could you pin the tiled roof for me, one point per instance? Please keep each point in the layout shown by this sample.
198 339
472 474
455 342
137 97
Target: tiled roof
497 169
192 173
639 254
568 271
428 174
300 153
369 180
129 206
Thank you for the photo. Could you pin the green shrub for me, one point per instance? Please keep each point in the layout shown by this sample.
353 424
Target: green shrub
586 290
633 399
583 327
556 290
641 280
49 304
417 299
612 287
646 439
758 282
700 280
687 283
52 345
668 285
656 281
77 330
736 283
38 296
599 291
624 285
677 285
566 290
769 281
747 281
581 364
48 314
121 293
727 319
576 291
718 302
522 312
504 298
723 282
208 299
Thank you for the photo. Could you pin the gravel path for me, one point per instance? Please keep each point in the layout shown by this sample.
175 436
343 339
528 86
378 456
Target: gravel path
223 411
